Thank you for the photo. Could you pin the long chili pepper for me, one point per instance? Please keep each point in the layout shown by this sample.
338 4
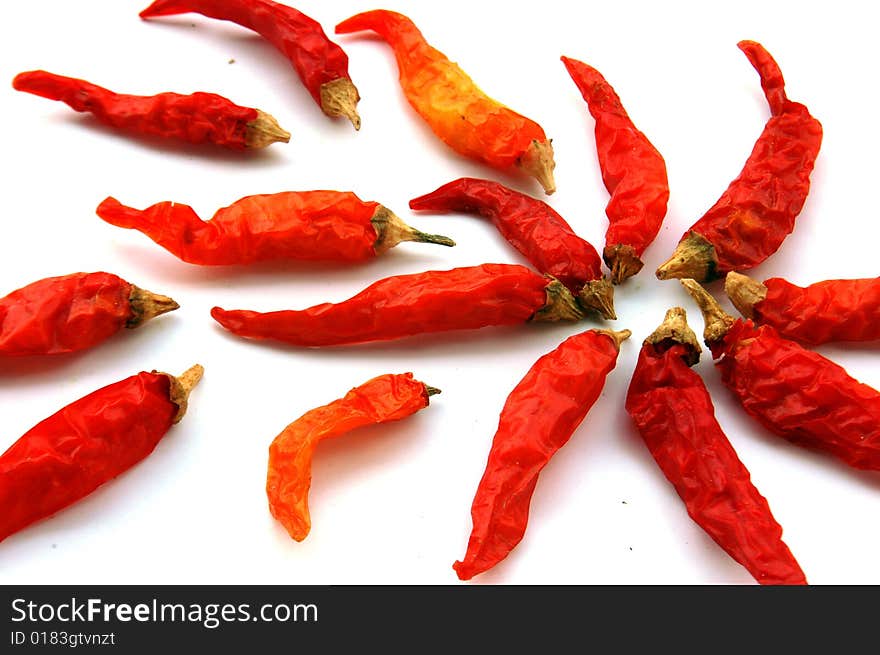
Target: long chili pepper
403 305
673 412
793 392
536 230
831 310
458 112
196 118
538 418
73 312
321 64
633 170
383 399
87 443
294 225
758 210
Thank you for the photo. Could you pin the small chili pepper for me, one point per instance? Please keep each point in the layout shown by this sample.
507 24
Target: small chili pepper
458 112
757 211
793 392
538 418
832 310
321 64
403 305
293 225
383 399
87 443
73 312
196 118
536 230
633 170
673 412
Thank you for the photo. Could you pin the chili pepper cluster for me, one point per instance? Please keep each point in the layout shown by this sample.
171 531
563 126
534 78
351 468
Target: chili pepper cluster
763 358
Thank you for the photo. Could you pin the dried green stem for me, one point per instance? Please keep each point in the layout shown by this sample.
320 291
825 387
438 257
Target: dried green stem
264 131
181 386
622 261
694 258
744 293
717 321
676 329
146 305
538 162
339 98
598 296
391 230
561 305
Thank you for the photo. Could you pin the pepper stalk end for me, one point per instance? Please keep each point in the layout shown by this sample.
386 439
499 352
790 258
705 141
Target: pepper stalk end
598 296
538 162
675 328
181 386
622 261
339 97
744 293
561 304
263 131
717 321
694 258
146 305
391 230
618 336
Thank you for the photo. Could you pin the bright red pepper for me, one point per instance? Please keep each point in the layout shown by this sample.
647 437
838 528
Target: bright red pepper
832 310
633 170
87 443
403 305
292 225
321 64
536 230
673 412
196 118
758 210
73 312
538 418
383 399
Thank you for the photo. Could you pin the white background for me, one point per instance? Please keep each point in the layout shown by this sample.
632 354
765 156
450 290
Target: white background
392 504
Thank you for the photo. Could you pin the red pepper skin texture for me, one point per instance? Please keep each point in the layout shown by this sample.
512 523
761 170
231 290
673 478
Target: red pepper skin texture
674 414
531 226
538 418
195 118
404 305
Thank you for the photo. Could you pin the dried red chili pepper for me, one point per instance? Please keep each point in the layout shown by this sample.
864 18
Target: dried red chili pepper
633 170
73 312
793 392
538 418
196 118
295 225
832 310
458 112
673 412
383 399
87 443
403 305
757 211
536 230
321 64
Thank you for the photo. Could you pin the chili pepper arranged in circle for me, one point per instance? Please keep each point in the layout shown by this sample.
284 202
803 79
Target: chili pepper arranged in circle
758 210
321 64
633 171
87 443
793 392
458 112
291 225
383 399
536 230
831 310
195 118
464 298
73 312
538 418
674 414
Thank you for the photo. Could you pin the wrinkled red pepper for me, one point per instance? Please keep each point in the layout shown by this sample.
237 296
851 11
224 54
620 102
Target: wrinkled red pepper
674 414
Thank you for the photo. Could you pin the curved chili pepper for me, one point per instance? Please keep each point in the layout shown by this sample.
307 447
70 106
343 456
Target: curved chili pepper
673 412
458 112
87 443
73 312
403 305
321 64
538 418
536 230
383 399
196 118
758 210
832 310
793 392
633 170
295 225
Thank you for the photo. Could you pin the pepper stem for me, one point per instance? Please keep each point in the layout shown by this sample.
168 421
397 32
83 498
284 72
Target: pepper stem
676 329
717 321
146 305
598 295
339 98
744 293
623 262
391 230
431 391
264 130
181 386
694 258
538 162
561 305
619 336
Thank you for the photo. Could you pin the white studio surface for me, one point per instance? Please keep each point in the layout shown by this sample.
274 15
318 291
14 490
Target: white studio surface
391 504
